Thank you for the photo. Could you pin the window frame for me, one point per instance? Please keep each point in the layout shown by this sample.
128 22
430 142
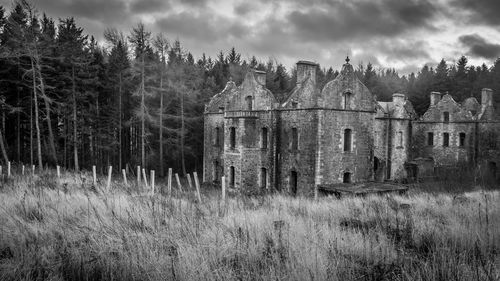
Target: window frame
232 137
348 145
446 139
430 138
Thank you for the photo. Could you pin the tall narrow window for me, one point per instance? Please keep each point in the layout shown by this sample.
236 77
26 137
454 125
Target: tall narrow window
215 173
263 178
295 139
347 100
446 117
231 176
249 101
232 137
293 182
347 139
446 139
217 136
430 138
461 139
295 104
400 139
347 178
264 138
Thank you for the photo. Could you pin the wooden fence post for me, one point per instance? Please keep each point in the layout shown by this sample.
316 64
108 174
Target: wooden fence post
178 182
8 169
223 188
110 171
169 182
22 170
189 181
152 179
94 175
145 178
1 170
58 168
138 175
124 176
197 186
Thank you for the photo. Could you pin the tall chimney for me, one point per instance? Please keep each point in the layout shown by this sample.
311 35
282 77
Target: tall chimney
304 69
435 98
398 98
486 97
260 76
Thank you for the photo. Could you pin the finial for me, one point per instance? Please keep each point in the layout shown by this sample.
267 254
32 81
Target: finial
347 59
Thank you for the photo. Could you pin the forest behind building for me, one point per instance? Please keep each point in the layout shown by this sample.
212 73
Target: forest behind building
137 98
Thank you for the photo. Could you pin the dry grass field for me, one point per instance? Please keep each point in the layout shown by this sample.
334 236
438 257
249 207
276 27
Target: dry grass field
65 229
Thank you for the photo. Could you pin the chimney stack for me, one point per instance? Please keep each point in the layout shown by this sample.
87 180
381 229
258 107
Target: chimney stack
435 98
398 98
260 76
486 97
304 69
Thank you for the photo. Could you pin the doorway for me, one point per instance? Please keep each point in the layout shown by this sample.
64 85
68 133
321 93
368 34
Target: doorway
347 177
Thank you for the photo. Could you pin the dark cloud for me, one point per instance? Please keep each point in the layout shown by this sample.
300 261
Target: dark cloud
149 6
243 8
341 20
405 49
478 46
481 11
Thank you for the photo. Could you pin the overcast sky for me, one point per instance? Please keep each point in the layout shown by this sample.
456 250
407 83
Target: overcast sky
404 34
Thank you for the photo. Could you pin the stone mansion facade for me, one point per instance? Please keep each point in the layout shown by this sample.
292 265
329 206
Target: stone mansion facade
339 134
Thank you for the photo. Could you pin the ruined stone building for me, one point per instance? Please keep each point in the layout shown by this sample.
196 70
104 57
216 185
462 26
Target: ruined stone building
338 134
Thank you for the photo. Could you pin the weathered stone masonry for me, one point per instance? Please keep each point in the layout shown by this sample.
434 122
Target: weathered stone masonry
338 134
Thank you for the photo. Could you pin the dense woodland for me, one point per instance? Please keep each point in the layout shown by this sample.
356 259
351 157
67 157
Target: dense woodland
138 98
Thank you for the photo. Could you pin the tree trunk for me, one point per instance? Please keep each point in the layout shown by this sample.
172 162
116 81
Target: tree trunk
162 174
4 150
52 145
143 116
75 137
37 125
31 133
183 162
120 123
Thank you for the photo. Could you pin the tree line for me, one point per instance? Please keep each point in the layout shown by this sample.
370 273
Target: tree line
138 98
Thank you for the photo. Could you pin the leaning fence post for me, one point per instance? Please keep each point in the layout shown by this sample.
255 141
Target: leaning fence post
58 168
178 181
197 186
144 176
124 176
94 176
223 188
8 169
189 181
152 179
138 175
110 171
169 182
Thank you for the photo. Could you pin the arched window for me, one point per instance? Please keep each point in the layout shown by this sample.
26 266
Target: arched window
264 138
232 137
231 176
461 139
295 139
347 100
249 102
263 178
347 139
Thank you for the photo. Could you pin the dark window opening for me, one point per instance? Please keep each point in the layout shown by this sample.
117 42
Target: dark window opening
446 139
430 138
232 137
347 100
263 178
347 139
221 108
473 112
249 102
461 139
215 173
264 138
217 136
295 104
347 177
295 139
376 163
293 182
446 116
231 176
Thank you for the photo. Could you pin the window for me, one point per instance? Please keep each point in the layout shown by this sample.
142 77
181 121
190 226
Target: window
231 176
347 177
217 136
347 100
446 139
347 139
221 109
400 139
264 138
293 182
430 138
232 137
248 99
446 117
295 139
263 178
461 139
215 172
295 104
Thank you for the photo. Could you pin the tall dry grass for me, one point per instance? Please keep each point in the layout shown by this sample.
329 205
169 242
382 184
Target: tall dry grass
66 229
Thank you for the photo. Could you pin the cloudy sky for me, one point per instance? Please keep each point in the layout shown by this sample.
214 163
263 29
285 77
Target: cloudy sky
404 34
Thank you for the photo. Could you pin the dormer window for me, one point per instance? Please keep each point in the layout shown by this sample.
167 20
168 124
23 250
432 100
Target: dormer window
249 101
347 100
446 117
295 104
